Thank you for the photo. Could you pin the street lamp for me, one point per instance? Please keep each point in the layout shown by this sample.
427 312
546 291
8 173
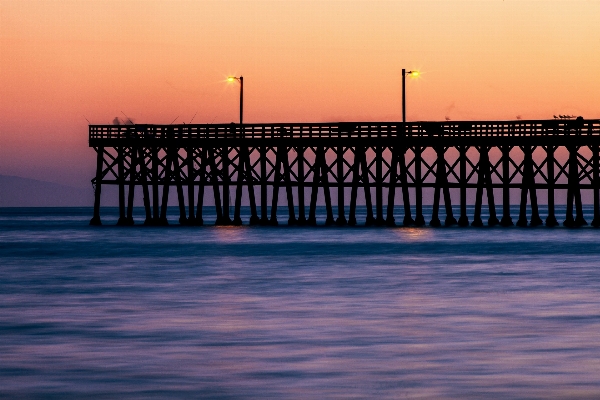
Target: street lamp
241 81
414 74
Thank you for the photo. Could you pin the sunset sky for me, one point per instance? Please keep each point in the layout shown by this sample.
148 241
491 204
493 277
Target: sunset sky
64 61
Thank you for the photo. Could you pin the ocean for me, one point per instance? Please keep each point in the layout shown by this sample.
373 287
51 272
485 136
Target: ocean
295 312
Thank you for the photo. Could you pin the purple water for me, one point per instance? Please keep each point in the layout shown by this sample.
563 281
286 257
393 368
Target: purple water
295 313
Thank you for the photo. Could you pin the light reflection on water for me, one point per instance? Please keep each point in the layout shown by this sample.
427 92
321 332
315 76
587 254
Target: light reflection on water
266 312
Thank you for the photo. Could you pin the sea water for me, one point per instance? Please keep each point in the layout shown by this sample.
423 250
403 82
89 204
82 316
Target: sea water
295 312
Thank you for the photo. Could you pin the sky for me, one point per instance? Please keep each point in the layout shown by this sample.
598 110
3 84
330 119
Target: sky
64 63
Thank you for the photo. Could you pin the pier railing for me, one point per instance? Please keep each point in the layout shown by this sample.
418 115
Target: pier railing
351 130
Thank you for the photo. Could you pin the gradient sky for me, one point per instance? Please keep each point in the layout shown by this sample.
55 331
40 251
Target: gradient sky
64 61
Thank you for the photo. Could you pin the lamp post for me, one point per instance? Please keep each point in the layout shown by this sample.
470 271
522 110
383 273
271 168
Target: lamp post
419 221
241 81
404 73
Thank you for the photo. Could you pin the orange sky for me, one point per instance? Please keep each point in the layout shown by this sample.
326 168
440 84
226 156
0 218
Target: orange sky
301 61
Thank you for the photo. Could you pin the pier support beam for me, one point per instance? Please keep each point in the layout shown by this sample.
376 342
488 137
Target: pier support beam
191 177
155 194
573 192
366 172
237 218
226 220
179 184
132 180
199 220
282 161
484 180
464 219
596 184
419 218
551 180
341 219
301 178
264 219
244 174
441 183
121 170
165 197
506 178
360 173
390 220
320 177
355 182
214 177
326 189
407 221
144 176
379 221
399 160
97 184
528 185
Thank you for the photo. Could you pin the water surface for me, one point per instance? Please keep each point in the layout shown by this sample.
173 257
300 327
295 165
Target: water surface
295 313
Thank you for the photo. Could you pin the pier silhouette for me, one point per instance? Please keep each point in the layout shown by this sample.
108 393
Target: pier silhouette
475 156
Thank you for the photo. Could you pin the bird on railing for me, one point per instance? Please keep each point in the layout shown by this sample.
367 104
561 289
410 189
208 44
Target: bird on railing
561 116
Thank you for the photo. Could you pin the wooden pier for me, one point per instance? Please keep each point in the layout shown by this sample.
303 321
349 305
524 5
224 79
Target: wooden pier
378 160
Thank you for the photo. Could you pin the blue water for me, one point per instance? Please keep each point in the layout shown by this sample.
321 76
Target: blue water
295 313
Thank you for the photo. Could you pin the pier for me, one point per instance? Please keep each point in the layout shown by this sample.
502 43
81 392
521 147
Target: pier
381 162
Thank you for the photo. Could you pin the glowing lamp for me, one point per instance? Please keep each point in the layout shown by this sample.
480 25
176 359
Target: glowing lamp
413 74
241 81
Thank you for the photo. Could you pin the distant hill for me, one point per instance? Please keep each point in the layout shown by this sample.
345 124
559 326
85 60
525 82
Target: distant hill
22 192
